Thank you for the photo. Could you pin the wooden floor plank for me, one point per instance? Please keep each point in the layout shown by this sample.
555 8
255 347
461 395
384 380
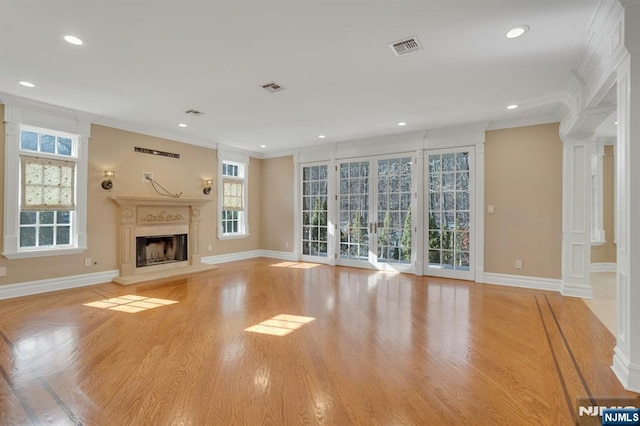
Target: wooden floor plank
381 349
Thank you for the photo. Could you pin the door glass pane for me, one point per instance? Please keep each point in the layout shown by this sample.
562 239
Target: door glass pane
394 210
314 210
354 210
448 210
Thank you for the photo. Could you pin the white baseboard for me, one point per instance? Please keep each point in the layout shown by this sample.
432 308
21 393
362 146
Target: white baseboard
603 267
627 373
251 254
536 283
52 284
577 290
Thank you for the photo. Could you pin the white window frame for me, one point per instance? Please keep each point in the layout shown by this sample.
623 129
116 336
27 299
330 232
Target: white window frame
240 159
56 120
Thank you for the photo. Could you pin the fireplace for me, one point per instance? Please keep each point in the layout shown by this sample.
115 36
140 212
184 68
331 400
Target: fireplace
158 237
161 249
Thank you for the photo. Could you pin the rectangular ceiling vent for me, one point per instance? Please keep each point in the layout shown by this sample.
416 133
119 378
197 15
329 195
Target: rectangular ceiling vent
272 87
194 112
406 46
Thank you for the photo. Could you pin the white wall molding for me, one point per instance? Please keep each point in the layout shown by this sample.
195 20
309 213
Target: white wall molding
53 284
625 371
603 267
250 254
536 283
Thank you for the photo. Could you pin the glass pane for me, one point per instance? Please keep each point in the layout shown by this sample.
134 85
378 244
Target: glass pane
462 241
447 259
448 162
63 217
64 146
448 199
45 237
315 173
344 171
323 173
306 174
447 240
46 217
434 257
435 164
462 201
434 201
435 220
434 239
462 261
305 247
48 143
28 218
462 161
434 183
449 220
28 237
448 181
62 235
305 218
462 181
462 221
28 141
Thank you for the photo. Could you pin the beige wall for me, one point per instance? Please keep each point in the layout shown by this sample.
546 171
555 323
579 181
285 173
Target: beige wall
277 204
606 253
113 149
523 181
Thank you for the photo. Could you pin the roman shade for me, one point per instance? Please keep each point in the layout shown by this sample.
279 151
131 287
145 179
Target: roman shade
47 184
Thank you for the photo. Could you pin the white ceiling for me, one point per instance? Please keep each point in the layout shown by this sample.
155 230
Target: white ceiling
145 62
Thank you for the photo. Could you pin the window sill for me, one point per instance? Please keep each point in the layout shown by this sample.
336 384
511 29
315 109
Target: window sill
232 236
43 253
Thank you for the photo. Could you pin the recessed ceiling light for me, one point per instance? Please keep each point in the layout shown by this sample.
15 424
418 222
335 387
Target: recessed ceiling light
402 123
27 84
322 136
263 146
73 40
517 31
615 122
513 106
182 125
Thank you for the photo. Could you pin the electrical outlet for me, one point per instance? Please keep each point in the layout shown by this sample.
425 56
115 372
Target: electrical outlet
87 262
518 264
490 208
286 244
3 271
146 176
209 247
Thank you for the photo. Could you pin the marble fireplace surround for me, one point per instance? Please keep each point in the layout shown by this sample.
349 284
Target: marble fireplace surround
148 216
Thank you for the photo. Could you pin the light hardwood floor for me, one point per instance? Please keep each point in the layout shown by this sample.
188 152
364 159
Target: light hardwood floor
363 347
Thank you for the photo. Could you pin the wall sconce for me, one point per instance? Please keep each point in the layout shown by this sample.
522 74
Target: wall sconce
208 184
107 183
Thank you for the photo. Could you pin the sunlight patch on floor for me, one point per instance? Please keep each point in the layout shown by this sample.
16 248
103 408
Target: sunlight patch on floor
280 325
130 303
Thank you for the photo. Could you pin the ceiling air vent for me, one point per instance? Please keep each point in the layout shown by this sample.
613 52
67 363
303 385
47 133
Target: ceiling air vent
406 46
194 112
272 87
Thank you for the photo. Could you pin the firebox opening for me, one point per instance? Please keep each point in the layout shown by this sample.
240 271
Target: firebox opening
161 249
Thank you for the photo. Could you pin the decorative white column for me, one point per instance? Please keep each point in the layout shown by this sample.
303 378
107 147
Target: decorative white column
597 211
576 218
626 359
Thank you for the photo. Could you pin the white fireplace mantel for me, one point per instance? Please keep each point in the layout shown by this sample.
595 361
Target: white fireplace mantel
141 216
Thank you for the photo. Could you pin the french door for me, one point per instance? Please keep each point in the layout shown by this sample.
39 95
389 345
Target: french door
374 213
449 213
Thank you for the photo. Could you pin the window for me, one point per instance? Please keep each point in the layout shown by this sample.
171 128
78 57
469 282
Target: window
45 189
232 200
